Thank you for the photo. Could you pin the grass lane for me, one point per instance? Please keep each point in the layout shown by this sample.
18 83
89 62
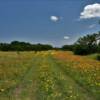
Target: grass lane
26 90
54 84
74 90
23 89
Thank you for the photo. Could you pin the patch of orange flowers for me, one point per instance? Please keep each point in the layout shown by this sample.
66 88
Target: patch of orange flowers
87 67
79 61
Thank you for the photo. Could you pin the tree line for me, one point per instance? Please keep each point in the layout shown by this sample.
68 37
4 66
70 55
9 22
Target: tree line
24 46
85 45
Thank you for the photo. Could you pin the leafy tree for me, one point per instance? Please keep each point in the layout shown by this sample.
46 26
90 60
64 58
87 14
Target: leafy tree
86 45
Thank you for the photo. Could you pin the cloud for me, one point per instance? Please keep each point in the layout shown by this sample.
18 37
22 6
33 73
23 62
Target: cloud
91 11
55 18
92 26
66 37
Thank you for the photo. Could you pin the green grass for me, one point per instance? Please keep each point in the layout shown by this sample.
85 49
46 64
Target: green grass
93 56
41 76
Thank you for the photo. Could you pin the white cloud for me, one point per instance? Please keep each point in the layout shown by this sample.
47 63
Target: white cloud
92 26
91 11
66 37
54 18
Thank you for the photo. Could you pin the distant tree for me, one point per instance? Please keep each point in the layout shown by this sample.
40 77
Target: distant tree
24 46
68 47
4 47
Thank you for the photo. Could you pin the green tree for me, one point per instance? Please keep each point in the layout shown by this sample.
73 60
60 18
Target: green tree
86 45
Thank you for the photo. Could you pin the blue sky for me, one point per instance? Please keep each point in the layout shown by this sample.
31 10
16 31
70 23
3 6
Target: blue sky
57 22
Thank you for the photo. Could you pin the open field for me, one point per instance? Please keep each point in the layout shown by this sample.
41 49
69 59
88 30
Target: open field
48 75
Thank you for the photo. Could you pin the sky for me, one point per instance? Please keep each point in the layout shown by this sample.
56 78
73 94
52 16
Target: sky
55 22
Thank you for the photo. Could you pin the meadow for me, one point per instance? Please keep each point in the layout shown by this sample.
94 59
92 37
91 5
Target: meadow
48 75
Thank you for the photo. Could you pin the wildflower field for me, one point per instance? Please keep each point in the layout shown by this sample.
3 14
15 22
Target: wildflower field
48 75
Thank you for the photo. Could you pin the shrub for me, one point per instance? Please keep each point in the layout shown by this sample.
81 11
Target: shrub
81 50
84 49
98 57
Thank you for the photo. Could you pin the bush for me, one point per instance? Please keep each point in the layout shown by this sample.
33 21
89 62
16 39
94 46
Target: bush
98 57
81 50
84 49
98 50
